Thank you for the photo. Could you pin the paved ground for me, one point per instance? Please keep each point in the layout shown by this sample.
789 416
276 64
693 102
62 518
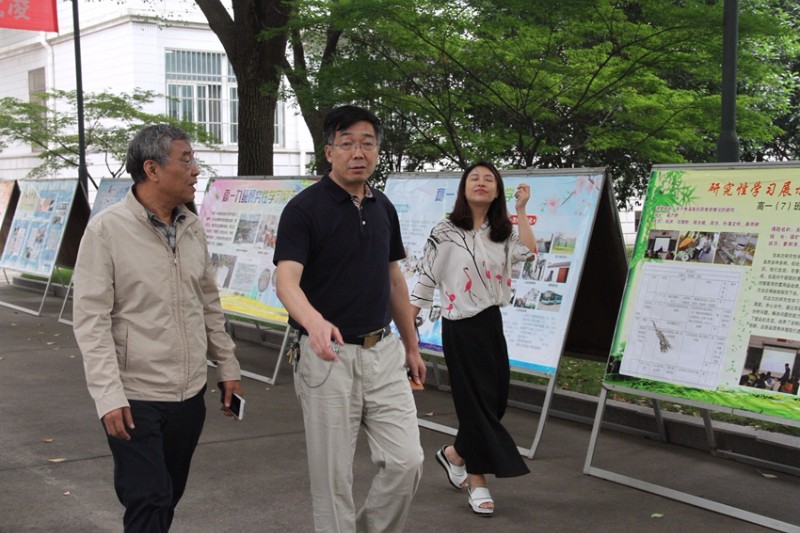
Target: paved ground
251 476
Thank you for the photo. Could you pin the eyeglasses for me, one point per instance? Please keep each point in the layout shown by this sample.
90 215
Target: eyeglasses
349 146
189 164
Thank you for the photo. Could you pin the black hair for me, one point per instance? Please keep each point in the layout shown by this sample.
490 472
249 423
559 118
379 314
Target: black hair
461 216
343 117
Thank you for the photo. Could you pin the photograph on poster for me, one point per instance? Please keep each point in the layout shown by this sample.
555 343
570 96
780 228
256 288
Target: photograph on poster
223 268
244 278
556 270
264 279
246 230
563 243
529 270
45 206
697 246
772 364
550 301
267 231
528 299
661 244
736 249
543 243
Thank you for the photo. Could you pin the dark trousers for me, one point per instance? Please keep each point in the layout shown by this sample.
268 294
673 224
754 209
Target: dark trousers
477 362
151 469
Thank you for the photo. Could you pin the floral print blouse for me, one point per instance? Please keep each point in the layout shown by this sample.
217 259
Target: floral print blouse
471 271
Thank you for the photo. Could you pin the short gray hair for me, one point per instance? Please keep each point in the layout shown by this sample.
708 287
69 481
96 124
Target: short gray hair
152 143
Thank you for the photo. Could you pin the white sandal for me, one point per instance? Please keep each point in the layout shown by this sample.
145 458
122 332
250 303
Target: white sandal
456 474
479 496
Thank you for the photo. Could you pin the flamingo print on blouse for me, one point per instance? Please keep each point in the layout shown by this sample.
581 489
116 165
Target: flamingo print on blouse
452 298
498 277
442 235
468 285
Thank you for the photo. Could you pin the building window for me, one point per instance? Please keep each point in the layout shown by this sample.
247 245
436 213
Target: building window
280 125
195 89
36 95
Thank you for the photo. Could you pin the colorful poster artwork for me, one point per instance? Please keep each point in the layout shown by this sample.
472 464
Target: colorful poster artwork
109 192
711 310
241 217
561 210
38 225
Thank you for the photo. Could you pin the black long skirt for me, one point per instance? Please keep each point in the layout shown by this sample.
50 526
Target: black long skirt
477 361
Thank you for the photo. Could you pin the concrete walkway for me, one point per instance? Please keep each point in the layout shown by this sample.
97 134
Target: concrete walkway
251 476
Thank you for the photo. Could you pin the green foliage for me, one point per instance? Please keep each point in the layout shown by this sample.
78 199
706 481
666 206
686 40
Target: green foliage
537 83
50 126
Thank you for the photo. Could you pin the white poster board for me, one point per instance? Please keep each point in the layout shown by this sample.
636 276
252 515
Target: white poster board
561 210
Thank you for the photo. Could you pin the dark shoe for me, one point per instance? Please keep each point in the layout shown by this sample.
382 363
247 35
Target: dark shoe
456 475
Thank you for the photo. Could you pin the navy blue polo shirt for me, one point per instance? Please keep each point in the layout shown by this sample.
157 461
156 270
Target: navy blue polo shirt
345 254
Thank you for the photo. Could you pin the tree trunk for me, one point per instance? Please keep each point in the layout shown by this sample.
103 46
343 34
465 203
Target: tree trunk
256 130
257 63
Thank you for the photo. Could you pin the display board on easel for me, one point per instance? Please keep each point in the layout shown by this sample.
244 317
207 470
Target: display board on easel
710 314
240 216
46 229
564 209
109 192
9 195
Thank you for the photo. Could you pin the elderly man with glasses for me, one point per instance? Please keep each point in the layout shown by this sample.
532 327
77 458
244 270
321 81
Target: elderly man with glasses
147 316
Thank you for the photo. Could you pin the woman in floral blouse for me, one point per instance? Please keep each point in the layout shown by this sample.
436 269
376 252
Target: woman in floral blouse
468 256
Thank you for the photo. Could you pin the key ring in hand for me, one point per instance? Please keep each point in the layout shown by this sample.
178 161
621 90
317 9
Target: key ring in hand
335 346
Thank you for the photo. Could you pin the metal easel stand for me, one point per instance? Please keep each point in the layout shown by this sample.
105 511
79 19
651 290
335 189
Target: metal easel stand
666 492
262 335
35 312
61 318
544 410
746 459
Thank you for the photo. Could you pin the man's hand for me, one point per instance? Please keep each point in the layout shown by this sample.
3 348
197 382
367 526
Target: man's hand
229 387
416 366
321 335
116 422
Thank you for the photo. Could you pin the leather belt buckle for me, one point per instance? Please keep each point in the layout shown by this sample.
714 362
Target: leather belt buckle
371 339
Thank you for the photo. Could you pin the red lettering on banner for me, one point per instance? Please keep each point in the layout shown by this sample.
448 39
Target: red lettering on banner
36 15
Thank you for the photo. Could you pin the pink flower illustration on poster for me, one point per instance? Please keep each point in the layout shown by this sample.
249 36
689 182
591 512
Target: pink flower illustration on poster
552 204
583 185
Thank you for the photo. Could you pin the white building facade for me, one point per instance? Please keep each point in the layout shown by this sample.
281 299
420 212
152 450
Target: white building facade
165 47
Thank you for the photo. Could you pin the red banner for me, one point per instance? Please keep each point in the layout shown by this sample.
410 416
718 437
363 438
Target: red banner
37 15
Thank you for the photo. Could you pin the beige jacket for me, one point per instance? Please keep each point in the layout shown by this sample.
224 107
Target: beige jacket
146 320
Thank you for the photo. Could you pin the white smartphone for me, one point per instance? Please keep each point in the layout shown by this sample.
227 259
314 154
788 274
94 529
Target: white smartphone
237 403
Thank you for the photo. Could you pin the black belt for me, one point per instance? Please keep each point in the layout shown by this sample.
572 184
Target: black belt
367 340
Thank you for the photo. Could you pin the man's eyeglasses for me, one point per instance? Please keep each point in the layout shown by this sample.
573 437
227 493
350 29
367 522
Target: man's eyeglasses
189 164
349 146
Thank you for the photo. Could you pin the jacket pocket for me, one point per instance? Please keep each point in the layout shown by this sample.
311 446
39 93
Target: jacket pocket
121 345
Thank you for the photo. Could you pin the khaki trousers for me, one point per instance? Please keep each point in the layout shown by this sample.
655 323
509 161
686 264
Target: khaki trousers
366 388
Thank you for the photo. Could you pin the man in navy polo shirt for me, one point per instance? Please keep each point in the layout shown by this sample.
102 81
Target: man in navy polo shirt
337 250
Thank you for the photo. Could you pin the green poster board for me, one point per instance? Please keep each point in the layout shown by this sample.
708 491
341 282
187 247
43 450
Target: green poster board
711 310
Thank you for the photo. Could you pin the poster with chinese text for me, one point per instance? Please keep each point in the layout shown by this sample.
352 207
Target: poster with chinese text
241 217
38 226
711 310
109 192
561 210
